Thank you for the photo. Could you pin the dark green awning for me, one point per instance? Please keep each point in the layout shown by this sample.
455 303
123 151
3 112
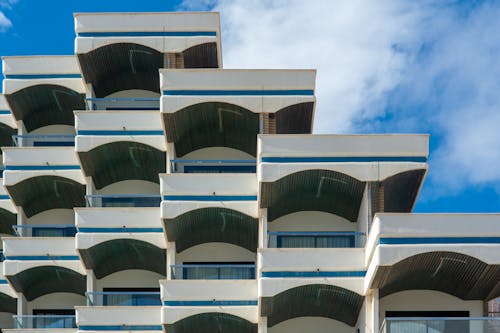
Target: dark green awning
122 254
201 56
8 304
313 190
43 280
453 273
316 300
7 220
43 193
212 225
212 125
45 104
212 322
295 119
124 160
6 133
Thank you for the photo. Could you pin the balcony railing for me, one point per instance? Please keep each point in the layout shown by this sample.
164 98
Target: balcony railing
44 321
441 325
123 200
320 239
213 272
119 298
45 230
44 140
213 166
124 104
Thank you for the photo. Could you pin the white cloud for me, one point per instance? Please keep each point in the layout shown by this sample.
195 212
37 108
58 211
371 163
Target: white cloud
5 23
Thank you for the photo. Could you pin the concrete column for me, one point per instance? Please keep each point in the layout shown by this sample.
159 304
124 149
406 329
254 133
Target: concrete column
263 228
170 258
21 130
372 311
21 220
91 286
170 156
22 305
262 327
90 94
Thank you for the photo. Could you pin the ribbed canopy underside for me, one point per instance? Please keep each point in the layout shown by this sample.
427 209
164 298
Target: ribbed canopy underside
7 220
212 322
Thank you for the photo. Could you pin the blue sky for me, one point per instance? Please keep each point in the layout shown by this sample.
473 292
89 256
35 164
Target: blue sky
393 66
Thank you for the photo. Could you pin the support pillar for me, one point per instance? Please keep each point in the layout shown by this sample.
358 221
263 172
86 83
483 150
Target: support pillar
372 312
170 259
22 305
170 156
262 326
263 241
21 220
91 287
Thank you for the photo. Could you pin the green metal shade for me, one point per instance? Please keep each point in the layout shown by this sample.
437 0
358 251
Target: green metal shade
39 281
212 322
313 190
295 119
122 254
45 104
453 273
43 193
212 225
401 190
212 125
6 133
124 160
317 300
8 303
201 56
122 66
7 220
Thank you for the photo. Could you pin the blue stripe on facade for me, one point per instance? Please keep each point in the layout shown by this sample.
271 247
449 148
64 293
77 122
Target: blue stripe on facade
210 303
312 274
419 159
439 240
149 34
4 282
4 111
121 328
210 197
120 230
43 76
42 167
237 92
4 197
42 258
120 132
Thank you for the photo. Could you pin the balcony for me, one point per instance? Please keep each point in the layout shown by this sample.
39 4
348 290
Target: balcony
213 272
44 140
213 166
44 322
45 230
123 103
118 318
136 298
441 325
322 239
123 200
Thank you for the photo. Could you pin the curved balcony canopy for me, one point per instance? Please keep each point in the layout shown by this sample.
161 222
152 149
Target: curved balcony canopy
212 124
41 193
122 254
212 322
8 303
317 300
45 104
313 190
213 224
453 273
125 66
295 119
400 191
6 133
7 220
124 160
43 280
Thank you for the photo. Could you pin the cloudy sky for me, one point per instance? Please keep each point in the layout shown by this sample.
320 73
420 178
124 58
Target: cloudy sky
383 67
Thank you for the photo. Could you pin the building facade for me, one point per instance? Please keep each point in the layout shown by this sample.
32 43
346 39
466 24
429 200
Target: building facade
146 188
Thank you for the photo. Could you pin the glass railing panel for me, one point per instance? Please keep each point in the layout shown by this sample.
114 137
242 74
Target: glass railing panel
441 325
112 298
44 321
44 140
123 200
45 230
320 239
123 104
213 272
213 166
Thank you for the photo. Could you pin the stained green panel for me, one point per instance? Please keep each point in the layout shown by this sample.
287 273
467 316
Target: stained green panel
7 220
39 281
125 160
8 304
201 56
122 66
212 225
212 322
44 105
122 254
317 300
43 193
212 125
313 190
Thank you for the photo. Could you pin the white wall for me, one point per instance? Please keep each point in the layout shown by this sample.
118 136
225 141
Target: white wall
56 301
427 300
54 129
131 187
311 221
311 324
131 278
215 252
53 216
6 320
134 93
218 153
361 323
